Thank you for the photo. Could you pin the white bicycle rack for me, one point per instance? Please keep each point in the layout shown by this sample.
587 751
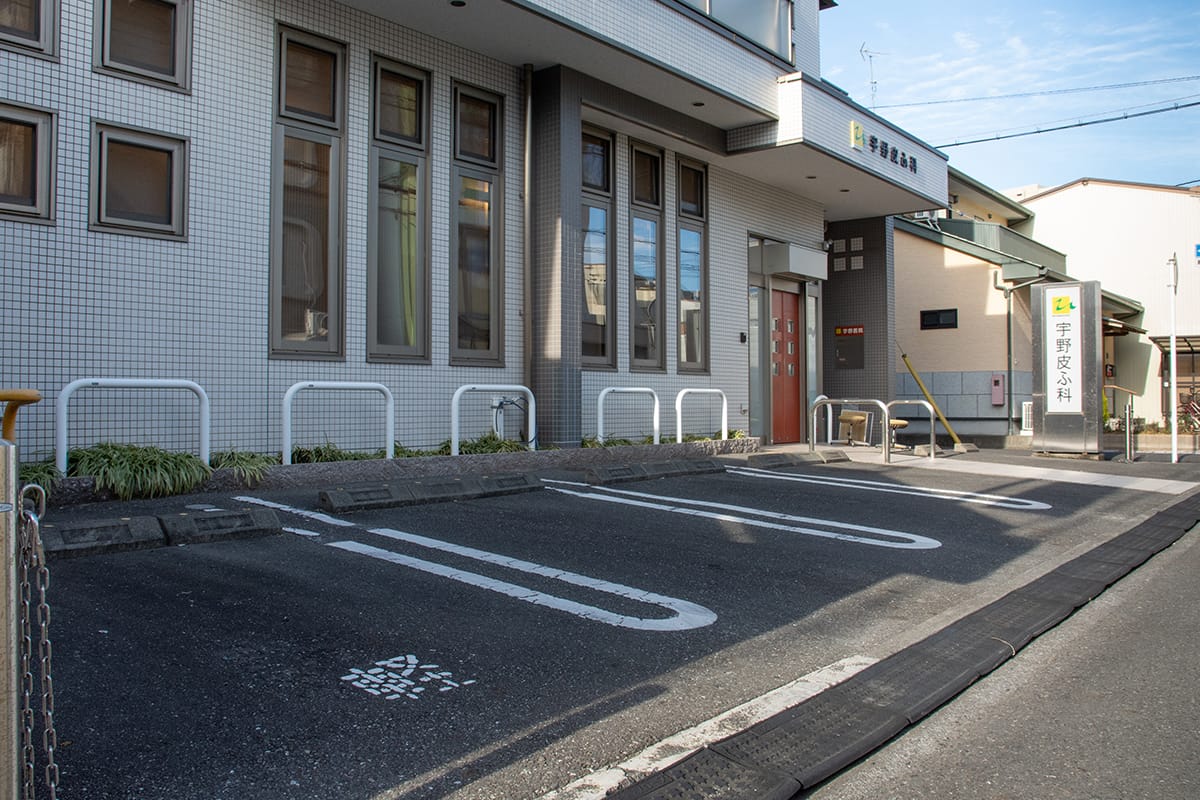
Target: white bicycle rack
349 386
64 399
530 412
927 407
625 390
679 411
885 423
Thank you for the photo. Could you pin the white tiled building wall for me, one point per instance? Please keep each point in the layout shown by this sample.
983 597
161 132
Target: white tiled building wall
89 304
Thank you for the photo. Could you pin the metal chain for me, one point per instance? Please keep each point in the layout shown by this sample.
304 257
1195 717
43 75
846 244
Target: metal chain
33 570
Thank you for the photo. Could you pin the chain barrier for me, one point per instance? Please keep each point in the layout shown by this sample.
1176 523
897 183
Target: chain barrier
32 574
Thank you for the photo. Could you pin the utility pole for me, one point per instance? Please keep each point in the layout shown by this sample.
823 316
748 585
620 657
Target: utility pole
1173 285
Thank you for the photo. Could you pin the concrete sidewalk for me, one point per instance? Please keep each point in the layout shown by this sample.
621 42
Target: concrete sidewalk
1103 706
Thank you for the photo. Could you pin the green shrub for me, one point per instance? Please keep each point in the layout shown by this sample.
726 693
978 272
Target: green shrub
39 473
249 467
130 471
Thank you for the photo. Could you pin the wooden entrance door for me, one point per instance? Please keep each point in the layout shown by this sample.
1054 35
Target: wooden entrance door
787 368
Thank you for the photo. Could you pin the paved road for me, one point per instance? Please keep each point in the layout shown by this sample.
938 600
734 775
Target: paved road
503 647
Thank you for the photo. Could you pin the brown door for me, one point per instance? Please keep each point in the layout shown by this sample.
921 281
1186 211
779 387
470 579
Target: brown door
786 368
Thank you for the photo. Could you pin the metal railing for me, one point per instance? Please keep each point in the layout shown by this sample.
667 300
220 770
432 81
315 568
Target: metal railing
929 408
679 411
64 399
885 423
625 390
1129 437
351 386
530 412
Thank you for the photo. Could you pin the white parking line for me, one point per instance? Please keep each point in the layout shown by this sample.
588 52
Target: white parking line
896 488
1052 475
659 756
899 540
684 615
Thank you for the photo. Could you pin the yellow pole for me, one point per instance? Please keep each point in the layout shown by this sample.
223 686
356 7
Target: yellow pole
929 399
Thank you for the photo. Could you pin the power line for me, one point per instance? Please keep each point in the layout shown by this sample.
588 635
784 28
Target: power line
1043 92
997 138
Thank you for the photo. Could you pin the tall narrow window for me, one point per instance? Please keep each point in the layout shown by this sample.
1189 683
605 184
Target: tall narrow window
477 280
30 25
693 270
597 330
306 255
26 163
398 278
646 309
148 40
139 182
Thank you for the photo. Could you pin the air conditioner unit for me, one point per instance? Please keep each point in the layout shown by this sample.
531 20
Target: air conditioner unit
924 214
1027 418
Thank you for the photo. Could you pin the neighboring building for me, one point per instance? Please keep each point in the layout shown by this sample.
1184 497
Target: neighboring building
963 308
1123 234
561 195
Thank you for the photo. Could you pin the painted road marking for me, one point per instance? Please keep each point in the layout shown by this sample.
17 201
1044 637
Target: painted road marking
659 756
900 540
898 488
1044 474
302 532
299 512
685 615
403 676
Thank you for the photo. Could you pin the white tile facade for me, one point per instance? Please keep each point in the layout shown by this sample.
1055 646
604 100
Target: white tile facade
93 304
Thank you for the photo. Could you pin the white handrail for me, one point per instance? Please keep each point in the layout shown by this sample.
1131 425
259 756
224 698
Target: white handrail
929 408
296 388
530 413
679 412
828 418
885 423
624 390
64 398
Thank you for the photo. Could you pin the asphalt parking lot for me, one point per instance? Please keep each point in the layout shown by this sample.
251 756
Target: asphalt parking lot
503 647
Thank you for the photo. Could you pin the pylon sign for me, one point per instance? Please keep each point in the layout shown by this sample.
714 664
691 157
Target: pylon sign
1068 372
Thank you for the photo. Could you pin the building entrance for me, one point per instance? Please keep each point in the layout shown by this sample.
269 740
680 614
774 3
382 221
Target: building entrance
787 373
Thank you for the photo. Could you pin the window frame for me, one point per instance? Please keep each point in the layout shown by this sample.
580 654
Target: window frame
600 198
940 323
317 129
497 126
413 152
99 219
45 160
104 62
697 223
650 212
380 64
338 51
493 356
45 44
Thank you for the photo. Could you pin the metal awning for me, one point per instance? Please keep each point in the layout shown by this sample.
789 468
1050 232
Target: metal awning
1183 344
1116 327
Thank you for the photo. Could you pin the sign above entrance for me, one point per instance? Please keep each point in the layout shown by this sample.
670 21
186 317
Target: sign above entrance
861 140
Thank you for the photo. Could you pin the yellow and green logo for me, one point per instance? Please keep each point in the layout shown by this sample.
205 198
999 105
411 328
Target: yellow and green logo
858 137
1062 305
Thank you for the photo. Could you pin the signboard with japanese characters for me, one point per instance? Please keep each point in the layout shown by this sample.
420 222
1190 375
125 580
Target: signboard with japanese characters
1064 353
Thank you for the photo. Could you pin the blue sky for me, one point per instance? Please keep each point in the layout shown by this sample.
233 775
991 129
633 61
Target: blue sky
937 51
